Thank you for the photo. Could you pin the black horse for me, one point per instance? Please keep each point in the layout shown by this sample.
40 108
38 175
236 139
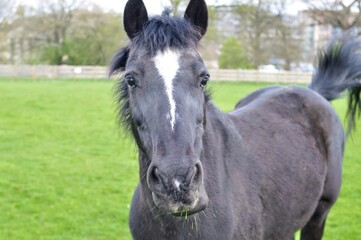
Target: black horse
266 169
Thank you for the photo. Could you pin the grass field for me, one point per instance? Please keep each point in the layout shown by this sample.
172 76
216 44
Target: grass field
66 172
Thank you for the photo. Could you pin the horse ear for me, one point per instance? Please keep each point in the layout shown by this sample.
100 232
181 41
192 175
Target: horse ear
135 15
197 14
119 61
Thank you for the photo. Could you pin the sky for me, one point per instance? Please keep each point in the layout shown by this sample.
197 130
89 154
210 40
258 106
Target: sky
156 6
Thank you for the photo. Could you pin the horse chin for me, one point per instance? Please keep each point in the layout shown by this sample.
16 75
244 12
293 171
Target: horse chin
188 212
198 204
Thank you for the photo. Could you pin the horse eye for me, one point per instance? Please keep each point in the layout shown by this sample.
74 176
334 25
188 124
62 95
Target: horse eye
204 81
130 80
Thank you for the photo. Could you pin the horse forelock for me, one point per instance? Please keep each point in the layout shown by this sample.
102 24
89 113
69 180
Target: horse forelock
163 32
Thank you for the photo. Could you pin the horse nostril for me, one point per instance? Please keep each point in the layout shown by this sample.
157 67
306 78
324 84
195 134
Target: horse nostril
197 176
155 180
154 175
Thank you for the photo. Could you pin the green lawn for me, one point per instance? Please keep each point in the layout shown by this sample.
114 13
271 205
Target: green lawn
66 171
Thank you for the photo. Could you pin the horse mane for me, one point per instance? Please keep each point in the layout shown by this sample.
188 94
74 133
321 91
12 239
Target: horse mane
158 33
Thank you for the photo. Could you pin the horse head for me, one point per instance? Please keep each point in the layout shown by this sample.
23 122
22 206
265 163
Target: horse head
163 102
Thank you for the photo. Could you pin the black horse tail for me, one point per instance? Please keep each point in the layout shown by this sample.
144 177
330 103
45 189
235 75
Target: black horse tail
339 70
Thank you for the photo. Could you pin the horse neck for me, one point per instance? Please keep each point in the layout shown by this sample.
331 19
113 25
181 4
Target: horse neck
220 131
220 139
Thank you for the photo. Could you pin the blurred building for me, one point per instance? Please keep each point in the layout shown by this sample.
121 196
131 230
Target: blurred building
316 35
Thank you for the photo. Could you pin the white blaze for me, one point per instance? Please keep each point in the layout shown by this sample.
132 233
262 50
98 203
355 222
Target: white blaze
167 63
177 184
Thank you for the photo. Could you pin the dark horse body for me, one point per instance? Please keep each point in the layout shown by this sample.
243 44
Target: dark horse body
262 181
266 169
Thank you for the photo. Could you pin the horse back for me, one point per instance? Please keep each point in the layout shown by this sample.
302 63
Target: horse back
295 105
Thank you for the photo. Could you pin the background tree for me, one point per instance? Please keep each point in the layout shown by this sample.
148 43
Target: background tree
212 41
338 13
255 21
287 42
5 10
176 5
94 37
39 32
57 15
77 32
233 56
90 37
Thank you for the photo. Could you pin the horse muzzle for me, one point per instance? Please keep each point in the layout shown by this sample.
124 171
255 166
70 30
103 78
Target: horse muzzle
178 191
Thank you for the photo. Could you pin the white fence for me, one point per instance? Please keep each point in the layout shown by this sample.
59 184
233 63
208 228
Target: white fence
53 71
257 76
64 71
